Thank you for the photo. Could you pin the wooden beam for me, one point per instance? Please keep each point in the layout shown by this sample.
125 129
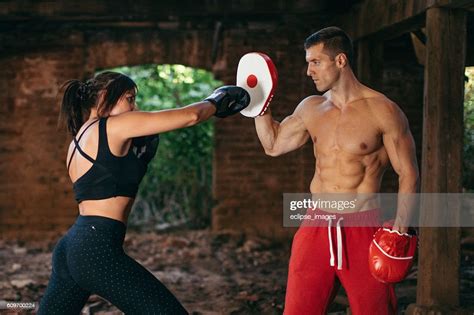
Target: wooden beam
370 63
389 19
454 4
92 10
439 254
419 47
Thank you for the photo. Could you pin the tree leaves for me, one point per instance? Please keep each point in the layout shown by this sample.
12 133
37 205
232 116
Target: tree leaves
177 186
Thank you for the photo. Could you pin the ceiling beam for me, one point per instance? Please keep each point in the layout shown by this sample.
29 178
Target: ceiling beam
389 19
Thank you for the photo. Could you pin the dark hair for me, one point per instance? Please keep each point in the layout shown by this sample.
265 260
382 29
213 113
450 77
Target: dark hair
79 97
335 41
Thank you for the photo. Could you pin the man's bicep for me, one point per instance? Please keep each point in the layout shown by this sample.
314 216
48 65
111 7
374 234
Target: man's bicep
292 134
399 143
292 131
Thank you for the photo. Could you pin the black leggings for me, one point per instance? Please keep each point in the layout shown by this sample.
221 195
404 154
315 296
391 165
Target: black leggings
90 259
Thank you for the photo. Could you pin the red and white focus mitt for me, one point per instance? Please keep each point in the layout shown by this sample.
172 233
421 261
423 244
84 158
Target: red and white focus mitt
257 74
391 254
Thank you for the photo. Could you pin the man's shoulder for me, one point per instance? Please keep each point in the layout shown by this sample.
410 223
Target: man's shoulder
308 104
382 105
386 111
379 102
311 101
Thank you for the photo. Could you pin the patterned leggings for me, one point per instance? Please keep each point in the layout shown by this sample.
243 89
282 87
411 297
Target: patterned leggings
90 259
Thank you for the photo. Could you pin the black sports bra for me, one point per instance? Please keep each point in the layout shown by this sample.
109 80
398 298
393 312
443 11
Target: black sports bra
111 175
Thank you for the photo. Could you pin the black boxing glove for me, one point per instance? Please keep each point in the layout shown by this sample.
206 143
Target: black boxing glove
229 100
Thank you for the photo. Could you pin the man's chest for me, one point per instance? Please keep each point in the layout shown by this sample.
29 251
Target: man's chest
351 131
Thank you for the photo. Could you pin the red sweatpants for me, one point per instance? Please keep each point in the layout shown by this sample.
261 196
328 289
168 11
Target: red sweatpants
314 267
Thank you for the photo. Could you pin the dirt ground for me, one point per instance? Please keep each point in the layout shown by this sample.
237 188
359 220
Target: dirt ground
209 273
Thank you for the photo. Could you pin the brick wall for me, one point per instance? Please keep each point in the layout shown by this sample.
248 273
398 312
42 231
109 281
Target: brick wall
35 191
248 184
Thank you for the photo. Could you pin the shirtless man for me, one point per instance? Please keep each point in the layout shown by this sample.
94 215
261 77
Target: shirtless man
356 132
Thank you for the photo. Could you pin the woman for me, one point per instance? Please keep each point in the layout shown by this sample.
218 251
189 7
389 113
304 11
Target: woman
106 161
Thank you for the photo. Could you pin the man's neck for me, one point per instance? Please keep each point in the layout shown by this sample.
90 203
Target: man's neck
346 90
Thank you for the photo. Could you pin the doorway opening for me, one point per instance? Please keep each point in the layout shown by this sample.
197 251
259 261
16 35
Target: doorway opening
177 189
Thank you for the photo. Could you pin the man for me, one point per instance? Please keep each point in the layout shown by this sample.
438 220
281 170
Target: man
356 132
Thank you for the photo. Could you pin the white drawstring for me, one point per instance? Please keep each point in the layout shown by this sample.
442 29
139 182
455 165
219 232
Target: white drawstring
331 260
339 244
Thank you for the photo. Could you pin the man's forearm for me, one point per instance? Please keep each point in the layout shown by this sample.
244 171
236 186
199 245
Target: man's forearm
267 130
407 202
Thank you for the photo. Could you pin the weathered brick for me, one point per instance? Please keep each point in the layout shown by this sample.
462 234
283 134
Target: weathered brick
35 191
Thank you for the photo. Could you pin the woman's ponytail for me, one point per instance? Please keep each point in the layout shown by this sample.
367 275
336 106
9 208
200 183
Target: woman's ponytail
72 106
80 97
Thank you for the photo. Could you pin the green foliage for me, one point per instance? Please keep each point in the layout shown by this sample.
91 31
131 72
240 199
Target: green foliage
177 186
468 167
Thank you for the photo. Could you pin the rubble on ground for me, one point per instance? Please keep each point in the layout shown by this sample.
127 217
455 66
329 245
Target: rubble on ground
209 273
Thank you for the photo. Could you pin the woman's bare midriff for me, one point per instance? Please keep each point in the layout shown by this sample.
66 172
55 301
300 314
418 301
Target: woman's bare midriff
117 208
